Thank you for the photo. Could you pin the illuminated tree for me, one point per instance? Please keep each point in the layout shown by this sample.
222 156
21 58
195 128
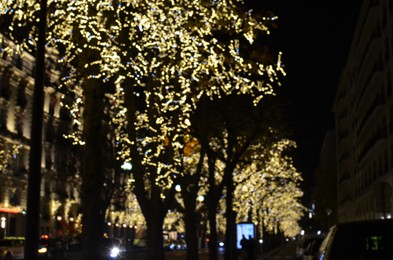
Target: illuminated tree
76 30
193 193
267 191
178 53
230 129
157 59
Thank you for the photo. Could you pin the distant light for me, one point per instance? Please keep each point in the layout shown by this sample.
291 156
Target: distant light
200 198
221 244
178 188
126 166
115 252
319 232
260 241
302 232
3 222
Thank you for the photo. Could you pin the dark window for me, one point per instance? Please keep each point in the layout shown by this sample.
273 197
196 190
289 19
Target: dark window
21 97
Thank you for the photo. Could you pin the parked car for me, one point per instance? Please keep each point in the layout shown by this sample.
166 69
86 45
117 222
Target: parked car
307 246
134 246
12 248
178 244
75 243
52 248
372 239
311 250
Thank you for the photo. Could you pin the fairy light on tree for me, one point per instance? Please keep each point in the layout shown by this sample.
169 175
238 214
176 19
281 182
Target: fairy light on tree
270 184
170 65
158 58
79 36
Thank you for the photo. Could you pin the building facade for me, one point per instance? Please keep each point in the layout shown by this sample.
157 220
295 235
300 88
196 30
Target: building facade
60 212
363 110
60 182
326 183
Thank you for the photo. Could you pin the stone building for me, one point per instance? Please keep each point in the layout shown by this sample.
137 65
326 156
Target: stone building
60 183
363 109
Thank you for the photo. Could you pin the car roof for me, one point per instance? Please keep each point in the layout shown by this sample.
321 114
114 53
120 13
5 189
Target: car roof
367 238
356 226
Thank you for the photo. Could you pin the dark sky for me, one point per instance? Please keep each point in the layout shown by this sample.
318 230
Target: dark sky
315 37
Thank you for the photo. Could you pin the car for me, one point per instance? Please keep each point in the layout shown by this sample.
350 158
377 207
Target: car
308 245
12 248
175 244
52 247
311 250
367 239
75 243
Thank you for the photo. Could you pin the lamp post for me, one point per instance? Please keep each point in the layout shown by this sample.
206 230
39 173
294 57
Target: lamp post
34 178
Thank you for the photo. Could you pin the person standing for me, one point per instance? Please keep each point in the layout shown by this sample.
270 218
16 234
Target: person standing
244 244
250 248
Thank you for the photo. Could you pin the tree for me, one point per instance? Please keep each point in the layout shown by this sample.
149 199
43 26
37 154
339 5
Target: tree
267 191
76 29
229 133
162 56
177 56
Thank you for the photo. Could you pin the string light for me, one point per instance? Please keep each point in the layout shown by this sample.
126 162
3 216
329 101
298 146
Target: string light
270 189
171 53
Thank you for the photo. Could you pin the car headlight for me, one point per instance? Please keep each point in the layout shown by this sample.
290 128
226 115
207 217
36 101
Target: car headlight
42 250
115 252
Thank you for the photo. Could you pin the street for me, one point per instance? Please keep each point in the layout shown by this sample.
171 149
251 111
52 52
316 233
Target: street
284 252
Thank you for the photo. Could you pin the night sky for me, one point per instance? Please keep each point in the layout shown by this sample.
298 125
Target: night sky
315 37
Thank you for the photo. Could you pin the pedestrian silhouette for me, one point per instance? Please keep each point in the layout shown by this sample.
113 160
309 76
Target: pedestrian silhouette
244 244
250 248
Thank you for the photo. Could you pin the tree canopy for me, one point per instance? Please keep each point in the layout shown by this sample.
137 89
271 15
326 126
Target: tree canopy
155 61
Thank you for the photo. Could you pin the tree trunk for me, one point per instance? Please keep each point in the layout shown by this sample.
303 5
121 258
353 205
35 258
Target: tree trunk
155 240
213 241
153 207
191 223
93 218
230 234
213 197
